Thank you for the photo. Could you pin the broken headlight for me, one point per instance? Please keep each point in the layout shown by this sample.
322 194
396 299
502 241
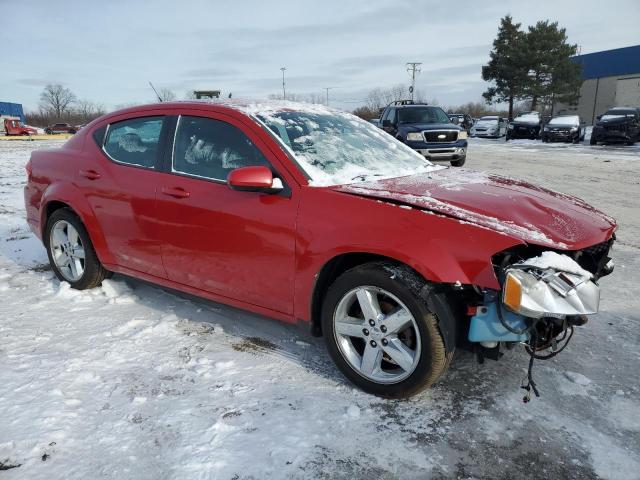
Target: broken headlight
542 293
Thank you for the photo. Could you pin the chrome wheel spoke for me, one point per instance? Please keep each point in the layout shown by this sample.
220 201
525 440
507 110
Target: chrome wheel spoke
350 327
73 267
58 237
78 252
72 235
398 320
369 305
371 360
400 353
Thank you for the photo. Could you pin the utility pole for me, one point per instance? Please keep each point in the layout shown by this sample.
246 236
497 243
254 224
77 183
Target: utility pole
413 68
284 94
327 89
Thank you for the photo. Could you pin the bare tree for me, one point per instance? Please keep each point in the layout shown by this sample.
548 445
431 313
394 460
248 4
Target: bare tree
56 100
166 95
381 97
87 110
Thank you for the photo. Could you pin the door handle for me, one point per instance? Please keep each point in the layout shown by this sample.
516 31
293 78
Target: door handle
175 192
90 174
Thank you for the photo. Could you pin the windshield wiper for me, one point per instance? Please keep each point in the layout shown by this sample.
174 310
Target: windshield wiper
365 175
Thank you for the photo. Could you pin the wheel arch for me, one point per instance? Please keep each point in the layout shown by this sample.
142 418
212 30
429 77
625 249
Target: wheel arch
437 295
67 196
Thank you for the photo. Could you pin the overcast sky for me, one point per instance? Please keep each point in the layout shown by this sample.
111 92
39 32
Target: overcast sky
107 50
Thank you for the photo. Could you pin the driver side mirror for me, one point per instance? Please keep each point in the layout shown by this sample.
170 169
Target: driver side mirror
386 123
254 179
599 117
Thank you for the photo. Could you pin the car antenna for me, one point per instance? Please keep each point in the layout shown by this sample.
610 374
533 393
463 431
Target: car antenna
156 92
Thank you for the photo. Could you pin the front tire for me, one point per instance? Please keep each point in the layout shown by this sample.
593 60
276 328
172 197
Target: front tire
460 162
380 332
71 254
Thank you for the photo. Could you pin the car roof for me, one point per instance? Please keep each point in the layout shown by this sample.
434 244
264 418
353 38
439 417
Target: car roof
245 106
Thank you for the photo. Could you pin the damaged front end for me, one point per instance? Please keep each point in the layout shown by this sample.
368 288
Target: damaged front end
542 299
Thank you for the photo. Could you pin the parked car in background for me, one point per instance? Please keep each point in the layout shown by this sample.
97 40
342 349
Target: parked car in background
375 121
291 211
617 125
490 126
427 129
13 126
462 119
525 125
60 128
563 128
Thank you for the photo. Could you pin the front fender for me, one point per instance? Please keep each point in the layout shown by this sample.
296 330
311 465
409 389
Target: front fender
441 249
69 194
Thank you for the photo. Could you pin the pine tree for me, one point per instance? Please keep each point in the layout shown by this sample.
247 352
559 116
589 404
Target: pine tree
507 67
553 76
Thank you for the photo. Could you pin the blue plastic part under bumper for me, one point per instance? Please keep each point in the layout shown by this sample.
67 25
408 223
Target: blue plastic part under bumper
487 327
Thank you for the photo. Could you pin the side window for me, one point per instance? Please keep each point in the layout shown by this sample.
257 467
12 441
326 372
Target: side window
210 148
390 115
135 141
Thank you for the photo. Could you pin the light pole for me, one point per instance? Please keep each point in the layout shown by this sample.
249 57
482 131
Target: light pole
327 89
284 94
413 68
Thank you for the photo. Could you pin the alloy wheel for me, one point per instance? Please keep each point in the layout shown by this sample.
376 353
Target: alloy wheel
67 250
377 334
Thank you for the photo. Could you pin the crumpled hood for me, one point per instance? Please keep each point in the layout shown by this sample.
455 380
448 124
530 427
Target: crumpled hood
509 206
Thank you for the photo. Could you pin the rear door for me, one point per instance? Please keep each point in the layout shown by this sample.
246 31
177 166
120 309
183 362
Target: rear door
240 245
119 181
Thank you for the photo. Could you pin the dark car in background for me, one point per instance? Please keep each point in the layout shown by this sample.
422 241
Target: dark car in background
60 128
617 125
525 125
427 129
563 128
462 119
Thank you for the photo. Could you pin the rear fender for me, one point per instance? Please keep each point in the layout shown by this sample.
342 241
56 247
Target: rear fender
67 193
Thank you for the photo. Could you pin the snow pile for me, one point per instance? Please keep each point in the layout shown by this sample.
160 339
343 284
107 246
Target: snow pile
558 262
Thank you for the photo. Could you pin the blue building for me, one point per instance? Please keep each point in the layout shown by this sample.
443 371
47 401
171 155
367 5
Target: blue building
610 79
13 109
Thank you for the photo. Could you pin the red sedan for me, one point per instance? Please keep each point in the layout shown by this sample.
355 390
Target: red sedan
309 215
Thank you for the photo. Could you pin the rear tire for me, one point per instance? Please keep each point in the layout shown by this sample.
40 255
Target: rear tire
393 294
593 141
67 242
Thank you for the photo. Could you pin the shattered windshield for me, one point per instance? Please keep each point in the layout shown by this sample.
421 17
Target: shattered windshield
336 148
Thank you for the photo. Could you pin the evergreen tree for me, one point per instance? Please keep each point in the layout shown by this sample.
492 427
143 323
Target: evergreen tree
552 74
507 65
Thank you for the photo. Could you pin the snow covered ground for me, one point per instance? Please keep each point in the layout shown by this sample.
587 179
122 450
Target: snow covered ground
134 381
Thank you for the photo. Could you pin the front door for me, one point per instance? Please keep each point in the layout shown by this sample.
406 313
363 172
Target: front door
239 245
